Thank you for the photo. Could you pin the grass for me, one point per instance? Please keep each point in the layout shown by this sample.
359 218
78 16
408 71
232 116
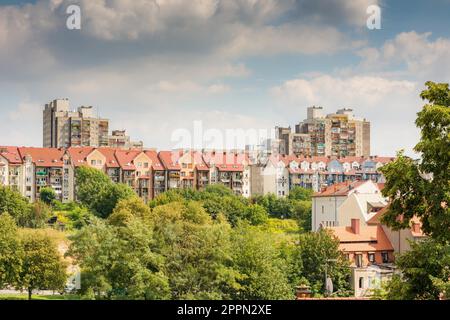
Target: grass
39 297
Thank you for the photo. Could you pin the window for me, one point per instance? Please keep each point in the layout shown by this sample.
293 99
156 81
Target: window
371 257
93 162
323 209
146 165
361 282
347 256
358 260
385 257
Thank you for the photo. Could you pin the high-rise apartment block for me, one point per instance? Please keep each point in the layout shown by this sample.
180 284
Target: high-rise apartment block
340 134
64 128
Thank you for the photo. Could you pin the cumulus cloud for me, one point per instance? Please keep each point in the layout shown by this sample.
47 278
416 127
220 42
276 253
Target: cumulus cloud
413 54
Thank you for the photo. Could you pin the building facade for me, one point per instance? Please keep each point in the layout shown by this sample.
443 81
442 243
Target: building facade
63 128
340 134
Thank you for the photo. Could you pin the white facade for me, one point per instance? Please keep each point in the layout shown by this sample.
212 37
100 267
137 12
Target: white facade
327 212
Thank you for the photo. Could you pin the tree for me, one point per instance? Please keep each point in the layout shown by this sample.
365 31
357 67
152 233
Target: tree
256 214
96 191
299 193
42 265
119 261
196 249
47 195
109 197
302 212
37 216
422 188
127 209
10 251
425 271
14 203
90 182
319 252
262 271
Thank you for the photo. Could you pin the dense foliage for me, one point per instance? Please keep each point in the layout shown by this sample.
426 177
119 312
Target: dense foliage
422 188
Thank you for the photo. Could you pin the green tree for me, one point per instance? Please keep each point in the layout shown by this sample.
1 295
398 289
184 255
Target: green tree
422 188
14 203
319 252
96 191
119 261
37 216
10 251
47 195
42 265
196 249
127 209
299 193
256 214
425 271
262 271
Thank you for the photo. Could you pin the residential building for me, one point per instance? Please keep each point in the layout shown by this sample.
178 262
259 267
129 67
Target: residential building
43 167
270 177
370 253
327 203
63 128
340 134
230 169
119 139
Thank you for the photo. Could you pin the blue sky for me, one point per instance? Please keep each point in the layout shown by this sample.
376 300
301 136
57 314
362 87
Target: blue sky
154 67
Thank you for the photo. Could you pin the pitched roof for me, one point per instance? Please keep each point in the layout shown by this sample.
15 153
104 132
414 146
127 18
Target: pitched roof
43 157
110 155
369 238
169 159
339 189
11 154
79 154
226 161
126 157
156 163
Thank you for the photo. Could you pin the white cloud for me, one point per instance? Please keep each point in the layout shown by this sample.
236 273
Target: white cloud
413 54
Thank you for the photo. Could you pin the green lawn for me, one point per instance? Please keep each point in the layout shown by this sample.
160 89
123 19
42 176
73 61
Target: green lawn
39 297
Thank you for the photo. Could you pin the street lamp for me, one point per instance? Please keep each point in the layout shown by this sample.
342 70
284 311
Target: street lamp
328 282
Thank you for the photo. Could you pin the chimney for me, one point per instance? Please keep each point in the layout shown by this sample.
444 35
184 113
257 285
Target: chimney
355 226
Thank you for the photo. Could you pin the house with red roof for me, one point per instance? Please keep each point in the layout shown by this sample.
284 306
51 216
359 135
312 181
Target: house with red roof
370 253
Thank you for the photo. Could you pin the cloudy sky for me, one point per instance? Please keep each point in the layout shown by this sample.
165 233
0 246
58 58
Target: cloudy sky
155 66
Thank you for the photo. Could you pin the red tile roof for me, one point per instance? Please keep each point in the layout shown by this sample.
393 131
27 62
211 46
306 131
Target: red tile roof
43 157
126 157
169 159
79 154
11 154
110 155
156 163
369 238
226 161
339 189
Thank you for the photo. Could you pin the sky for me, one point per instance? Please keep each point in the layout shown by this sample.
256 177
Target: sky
158 68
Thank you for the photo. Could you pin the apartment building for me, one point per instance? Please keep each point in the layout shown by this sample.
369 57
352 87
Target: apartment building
119 139
231 169
340 134
63 127
270 177
12 169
